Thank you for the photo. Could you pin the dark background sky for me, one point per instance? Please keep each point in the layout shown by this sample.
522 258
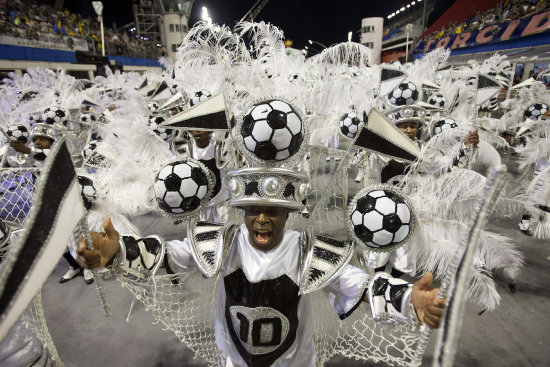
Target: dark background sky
325 21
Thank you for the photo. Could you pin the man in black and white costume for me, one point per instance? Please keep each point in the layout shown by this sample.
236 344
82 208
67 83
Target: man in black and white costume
264 314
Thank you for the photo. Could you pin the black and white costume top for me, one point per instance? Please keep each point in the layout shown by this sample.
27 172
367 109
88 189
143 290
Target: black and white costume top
264 312
261 319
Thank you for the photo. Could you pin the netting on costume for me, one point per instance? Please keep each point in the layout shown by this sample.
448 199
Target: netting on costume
16 189
35 320
188 309
358 336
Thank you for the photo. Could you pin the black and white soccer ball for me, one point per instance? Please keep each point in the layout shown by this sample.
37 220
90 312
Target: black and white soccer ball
350 123
90 148
87 191
35 118
154 124
181 187
198 97
437 100
54 115
153 106
87 118
272 130
380 218
18 132
535 111
174 88
443 125
404 94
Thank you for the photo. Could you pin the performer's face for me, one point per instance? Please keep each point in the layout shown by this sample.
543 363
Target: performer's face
409 128
42 143
266 226
202 138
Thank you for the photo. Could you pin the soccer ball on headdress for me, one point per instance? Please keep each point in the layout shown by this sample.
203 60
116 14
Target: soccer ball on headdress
174 87
87 191
535 111
87 118
35 118
182 187
404 94
443 125
198 97
272 130
438 100
154 124
54 115
153 106
18 132
350 124
90 148
380 218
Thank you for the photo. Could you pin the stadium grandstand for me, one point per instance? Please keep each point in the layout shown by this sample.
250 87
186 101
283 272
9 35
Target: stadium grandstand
474 29
36 33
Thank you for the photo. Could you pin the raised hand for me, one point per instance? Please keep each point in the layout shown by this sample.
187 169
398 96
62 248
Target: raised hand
105 247
429 308
20 147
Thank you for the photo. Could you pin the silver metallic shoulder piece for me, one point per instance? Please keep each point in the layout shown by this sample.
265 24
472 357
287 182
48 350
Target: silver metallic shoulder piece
210 244
322 258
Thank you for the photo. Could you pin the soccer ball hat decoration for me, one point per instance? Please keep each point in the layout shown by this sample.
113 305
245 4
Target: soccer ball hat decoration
437 100
443 125
405 94
380 218
183 187
350 123
199 96
55 115
154 124
272 132
535 111
18 132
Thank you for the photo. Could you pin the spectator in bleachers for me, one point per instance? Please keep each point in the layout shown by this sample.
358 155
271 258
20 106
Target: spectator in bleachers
30 20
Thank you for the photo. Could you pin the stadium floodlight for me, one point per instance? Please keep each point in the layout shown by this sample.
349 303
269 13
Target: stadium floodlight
397 12
413 3
402 9
205 15
98 7
408 6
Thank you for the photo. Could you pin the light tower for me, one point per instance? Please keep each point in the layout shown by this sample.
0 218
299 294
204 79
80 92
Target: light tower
163 22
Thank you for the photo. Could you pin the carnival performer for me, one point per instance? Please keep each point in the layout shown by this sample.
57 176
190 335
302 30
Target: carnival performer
260 285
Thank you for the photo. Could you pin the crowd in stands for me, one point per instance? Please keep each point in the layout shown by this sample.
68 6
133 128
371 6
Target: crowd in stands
24 18
505 11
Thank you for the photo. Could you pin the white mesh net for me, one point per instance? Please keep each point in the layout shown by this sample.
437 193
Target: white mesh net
17 187
34 319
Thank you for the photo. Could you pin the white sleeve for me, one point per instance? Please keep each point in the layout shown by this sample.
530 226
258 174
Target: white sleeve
178 256
347 290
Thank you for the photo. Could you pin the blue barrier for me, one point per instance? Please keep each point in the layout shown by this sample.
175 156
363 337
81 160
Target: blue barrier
21 53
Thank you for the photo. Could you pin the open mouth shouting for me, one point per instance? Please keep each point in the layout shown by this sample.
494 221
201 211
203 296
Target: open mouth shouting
262 237
266 226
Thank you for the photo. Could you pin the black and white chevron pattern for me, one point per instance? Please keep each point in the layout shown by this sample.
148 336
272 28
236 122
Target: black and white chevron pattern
204 238
326 257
